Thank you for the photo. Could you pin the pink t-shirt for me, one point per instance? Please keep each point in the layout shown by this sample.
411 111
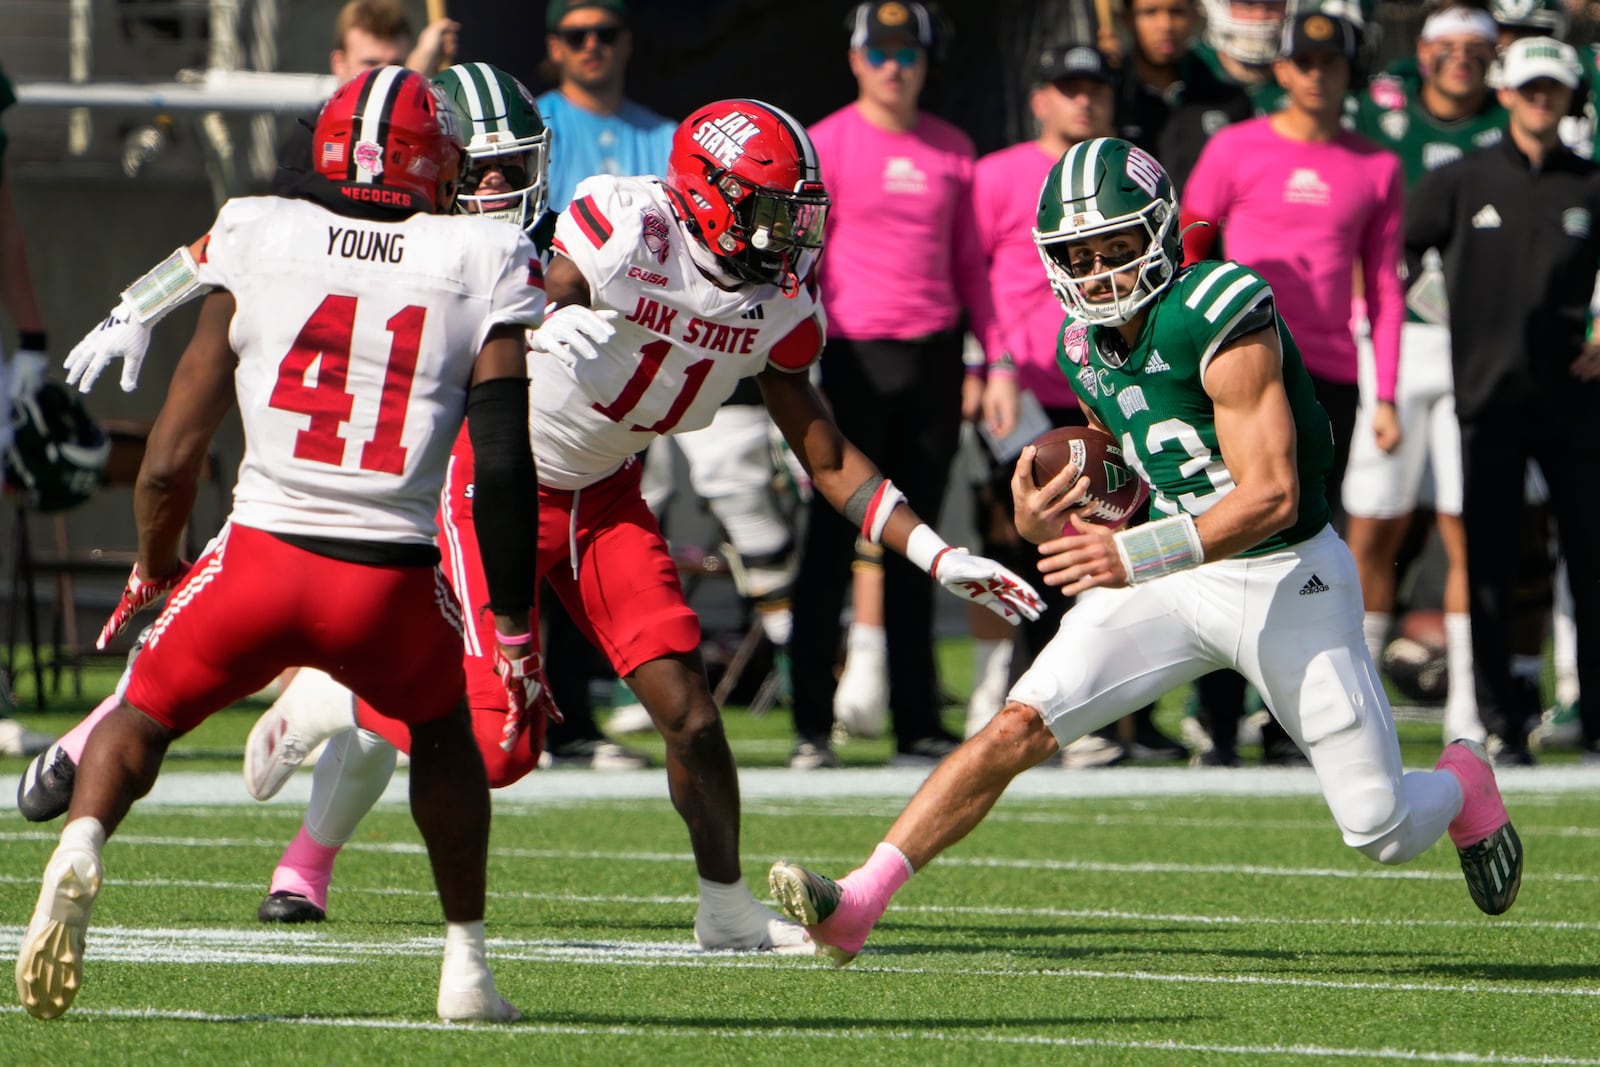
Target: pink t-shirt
1303 215
1027 316
901 255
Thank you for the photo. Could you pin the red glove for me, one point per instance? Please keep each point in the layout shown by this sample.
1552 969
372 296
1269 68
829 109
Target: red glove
527 693
138 595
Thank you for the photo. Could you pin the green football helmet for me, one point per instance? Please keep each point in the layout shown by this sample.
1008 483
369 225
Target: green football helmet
58 453
502 129
1545 17
1099 187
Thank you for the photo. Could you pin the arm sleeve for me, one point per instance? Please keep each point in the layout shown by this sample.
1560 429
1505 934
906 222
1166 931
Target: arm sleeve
505 493
1380 271
1205 199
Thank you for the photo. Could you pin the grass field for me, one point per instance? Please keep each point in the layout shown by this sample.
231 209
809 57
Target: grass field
1109 917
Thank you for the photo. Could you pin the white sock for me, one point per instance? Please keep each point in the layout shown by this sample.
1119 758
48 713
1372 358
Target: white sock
1375 628
463 945
1564 640
84 833
350 776
1461 702
778 625
991 668
725 899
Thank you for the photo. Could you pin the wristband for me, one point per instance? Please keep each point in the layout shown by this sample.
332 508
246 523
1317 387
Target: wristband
1004 363
169 284
32 341
513 640
870 506
924 548
1159 548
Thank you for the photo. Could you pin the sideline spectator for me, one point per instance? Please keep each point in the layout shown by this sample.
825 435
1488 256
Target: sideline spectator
895 283
1515 225
1170 101
1196 357
1447 114
598 130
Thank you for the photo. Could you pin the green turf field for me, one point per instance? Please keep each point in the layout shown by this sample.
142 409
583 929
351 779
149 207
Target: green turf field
1108 917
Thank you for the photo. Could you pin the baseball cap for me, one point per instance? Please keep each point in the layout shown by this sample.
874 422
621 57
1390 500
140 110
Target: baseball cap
558 10
1539 57
1062 61
1316 32
875 23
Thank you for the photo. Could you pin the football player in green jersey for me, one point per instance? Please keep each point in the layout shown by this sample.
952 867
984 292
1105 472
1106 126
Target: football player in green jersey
1197 376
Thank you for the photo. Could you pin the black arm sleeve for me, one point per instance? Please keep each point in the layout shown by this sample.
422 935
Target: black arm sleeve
505 494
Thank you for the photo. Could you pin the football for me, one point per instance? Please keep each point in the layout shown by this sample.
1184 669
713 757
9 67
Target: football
1116 492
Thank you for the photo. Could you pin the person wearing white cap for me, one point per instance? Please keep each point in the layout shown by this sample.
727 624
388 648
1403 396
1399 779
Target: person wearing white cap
1515 225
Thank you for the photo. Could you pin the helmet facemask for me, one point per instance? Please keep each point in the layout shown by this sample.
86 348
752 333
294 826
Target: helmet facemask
773 236
1155 225
1254 42
524 164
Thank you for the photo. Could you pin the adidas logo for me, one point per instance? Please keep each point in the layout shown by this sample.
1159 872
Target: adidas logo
1313 586
754 313
1487 218
1156 365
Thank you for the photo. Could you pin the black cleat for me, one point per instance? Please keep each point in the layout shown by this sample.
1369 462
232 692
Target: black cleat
286 907
45 790
1493 868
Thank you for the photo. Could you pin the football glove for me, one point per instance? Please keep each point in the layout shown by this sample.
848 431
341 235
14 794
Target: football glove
120 336
26 374
983 581
138 595
527 693
573 332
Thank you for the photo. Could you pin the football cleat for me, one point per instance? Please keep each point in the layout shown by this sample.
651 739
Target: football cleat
50 961
45 790
811 900
1490 850
284 906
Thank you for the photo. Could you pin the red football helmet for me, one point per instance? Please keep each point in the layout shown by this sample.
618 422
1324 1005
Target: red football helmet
388 136
744 174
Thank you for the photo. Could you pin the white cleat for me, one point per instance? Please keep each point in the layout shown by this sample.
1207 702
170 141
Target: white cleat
50 961
760 929
312 709
471 997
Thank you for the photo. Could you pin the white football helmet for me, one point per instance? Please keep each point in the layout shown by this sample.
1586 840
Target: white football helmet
1252 40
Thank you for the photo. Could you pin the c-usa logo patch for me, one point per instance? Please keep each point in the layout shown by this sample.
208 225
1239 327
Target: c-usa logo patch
657 235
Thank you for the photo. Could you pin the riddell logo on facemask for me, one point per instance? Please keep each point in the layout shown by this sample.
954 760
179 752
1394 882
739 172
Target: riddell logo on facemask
724 139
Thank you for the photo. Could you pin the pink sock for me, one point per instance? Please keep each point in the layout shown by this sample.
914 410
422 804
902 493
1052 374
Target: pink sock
875 881
306 868
78 737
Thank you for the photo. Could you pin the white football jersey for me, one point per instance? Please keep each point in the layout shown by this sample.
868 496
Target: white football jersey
356 341
681 346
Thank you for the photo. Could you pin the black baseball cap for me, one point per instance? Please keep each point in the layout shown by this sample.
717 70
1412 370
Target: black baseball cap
1062 61
891 20
1316 32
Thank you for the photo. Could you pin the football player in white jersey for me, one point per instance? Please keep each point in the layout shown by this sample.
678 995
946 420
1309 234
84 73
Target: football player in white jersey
337 490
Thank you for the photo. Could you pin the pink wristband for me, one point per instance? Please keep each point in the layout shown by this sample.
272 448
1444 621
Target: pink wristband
514 640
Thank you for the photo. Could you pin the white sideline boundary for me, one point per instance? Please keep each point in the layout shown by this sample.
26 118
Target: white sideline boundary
563 786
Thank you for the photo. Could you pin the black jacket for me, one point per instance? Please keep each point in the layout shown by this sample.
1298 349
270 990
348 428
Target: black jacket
1520 248
1174 125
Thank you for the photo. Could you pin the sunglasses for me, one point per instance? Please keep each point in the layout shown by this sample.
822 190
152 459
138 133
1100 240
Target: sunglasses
905 57
578 38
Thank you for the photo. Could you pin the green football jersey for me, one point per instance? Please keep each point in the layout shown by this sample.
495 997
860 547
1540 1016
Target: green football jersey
1157 406
1394 117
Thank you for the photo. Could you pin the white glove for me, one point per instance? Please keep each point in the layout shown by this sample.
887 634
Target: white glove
573 332
983 581
118 337
27 373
